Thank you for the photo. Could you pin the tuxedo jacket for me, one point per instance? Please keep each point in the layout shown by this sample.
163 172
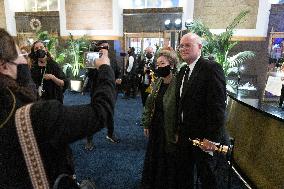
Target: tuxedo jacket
202 102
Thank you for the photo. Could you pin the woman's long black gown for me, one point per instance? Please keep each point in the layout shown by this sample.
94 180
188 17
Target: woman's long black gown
159 166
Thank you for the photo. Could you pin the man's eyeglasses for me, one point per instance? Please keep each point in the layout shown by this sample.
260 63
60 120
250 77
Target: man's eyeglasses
186 46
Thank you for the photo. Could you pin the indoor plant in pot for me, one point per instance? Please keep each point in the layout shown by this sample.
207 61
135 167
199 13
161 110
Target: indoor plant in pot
74 61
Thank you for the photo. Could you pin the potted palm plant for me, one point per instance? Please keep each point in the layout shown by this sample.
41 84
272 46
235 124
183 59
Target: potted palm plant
74 61
218 46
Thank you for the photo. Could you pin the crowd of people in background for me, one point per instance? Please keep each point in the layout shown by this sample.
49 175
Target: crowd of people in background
182 98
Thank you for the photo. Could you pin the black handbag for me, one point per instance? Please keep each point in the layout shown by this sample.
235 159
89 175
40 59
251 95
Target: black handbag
64 180
87 184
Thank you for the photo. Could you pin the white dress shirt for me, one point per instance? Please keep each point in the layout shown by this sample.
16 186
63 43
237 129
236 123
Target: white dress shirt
191 67
130 63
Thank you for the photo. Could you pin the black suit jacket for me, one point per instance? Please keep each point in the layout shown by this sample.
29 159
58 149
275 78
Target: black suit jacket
202 103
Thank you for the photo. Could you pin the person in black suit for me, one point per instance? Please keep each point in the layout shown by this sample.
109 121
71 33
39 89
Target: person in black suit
145 66
92 75
201 96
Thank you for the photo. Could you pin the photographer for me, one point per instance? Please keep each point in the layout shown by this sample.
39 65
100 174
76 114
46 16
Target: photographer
145 71
46 73
92 73
53 125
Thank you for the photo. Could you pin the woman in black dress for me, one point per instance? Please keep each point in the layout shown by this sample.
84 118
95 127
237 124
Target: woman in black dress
159 122
49 78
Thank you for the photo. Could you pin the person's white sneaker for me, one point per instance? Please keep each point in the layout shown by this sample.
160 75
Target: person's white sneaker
113 139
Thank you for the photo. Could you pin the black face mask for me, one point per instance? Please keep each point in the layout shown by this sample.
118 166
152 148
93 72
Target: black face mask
40 53
149 55
23 75
148 71
163 71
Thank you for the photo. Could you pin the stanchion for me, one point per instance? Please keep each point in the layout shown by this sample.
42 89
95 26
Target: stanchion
229 159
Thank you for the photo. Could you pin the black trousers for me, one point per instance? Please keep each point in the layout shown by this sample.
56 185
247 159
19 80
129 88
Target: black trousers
110 130
192 165
109 124
131 85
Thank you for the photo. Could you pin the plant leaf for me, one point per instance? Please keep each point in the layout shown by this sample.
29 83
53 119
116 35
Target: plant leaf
240 58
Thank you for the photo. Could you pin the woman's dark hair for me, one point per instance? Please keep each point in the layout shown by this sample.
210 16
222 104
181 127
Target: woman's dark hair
8 49
32 55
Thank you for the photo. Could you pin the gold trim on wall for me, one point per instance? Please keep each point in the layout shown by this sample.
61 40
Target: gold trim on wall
243 38
144 35
95 37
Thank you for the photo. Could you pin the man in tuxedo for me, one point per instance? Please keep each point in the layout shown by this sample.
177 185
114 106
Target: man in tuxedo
145 66
201 96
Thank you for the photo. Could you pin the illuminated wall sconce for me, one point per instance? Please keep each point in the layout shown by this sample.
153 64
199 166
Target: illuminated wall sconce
168 24
178 24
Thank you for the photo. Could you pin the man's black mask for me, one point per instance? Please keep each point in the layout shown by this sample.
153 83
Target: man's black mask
149 55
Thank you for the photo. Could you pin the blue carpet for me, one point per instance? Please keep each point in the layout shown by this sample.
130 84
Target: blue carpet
112 166
116 166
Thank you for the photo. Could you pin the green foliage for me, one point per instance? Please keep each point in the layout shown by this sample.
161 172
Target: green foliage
71 55
74 54
220 45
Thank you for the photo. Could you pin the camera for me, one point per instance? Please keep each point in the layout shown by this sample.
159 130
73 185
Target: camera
123 54
90 59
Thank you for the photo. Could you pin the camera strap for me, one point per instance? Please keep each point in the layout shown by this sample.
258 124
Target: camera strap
40 88
30 148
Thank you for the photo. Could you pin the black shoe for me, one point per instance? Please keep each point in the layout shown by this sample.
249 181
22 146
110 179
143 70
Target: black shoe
89 146
113 139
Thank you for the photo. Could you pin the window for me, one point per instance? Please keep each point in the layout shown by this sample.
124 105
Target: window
41 5
139 43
